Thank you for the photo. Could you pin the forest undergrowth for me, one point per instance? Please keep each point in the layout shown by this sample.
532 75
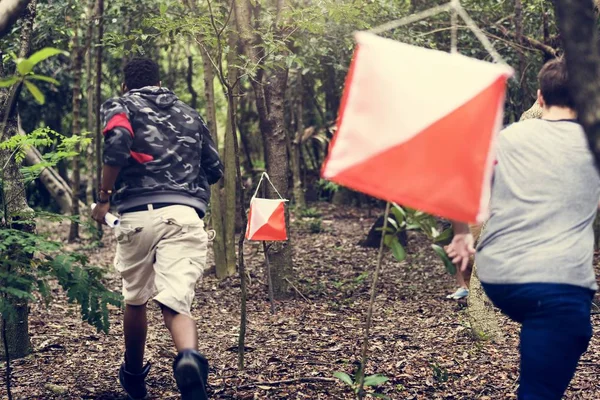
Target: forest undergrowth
420 340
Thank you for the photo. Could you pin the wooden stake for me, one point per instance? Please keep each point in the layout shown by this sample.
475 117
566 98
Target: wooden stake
269 280
363 363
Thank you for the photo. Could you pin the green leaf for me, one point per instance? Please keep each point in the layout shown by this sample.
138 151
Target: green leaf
392 222
43 54
444 236
344 377
397 248
35 92
43 78
24 67
163 9
399 215
399 209
376 380
7 82
450 267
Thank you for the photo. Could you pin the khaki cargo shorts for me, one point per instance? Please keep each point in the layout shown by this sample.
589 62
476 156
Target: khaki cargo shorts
162 254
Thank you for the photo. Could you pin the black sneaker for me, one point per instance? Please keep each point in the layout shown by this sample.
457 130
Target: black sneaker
191 374
134 384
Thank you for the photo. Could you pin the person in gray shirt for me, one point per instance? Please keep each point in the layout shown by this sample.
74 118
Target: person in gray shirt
535 255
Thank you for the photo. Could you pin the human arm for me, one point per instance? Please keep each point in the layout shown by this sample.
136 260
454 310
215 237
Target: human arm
462 246
110 174
118 138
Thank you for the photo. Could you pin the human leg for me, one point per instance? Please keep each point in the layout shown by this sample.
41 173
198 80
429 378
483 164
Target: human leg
180 261
133 260
549 358
135 328
555 333
182 328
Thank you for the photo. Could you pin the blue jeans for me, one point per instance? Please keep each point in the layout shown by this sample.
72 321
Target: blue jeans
555 332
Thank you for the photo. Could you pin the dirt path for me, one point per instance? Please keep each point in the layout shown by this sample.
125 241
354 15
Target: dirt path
419 340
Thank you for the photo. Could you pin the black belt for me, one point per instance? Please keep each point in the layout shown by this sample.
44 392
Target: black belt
146 207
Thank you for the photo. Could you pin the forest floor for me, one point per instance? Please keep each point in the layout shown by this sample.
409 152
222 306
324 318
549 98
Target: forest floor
420 340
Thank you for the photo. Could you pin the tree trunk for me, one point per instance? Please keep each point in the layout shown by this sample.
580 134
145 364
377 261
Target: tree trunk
98 97
190 78
270 100
243 127
299 197
223 246
75 131
216 198
481 311
229 180
10 10
15 202
17 333
278 167
522 89
579 32
59 189
89 152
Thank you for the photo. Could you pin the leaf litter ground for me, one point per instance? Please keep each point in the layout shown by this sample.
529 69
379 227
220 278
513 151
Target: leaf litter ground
420 340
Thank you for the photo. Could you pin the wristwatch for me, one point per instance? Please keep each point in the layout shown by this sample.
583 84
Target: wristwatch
104 192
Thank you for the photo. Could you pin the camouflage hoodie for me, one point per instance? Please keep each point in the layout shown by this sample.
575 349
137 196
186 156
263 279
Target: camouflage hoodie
164 148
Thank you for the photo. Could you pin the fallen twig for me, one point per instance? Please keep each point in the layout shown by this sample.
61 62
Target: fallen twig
286 381
298 291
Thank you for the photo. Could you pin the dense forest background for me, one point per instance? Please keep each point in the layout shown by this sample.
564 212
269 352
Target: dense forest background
303 50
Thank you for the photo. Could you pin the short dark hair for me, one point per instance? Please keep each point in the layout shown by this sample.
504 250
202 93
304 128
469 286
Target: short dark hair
554 84
140 72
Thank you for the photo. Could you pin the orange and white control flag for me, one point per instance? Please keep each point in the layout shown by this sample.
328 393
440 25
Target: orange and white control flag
417 127
266 220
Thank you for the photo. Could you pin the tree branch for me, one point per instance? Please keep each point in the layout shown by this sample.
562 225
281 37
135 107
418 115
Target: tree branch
10 11
536 44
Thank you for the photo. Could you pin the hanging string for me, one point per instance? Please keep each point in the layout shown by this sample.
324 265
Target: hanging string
479 34
265 175
454 7
411 18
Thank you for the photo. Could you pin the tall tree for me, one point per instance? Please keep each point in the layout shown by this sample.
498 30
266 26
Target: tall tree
89 76
223 194
522 92
296 149
229 163
98 96
15 332
269 89
77 52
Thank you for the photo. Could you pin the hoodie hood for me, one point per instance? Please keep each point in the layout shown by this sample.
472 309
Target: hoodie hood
162 97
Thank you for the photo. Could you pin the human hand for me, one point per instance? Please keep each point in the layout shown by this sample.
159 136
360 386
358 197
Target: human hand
461 249
100 211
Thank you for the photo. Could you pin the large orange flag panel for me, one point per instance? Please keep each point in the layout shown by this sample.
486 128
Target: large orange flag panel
417 127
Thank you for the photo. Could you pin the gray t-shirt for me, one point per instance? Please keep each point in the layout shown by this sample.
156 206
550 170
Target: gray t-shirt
544 199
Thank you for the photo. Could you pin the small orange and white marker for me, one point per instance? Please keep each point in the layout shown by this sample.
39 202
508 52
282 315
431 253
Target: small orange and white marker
266 220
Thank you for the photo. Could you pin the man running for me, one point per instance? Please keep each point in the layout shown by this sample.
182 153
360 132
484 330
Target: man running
535 254
159 160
